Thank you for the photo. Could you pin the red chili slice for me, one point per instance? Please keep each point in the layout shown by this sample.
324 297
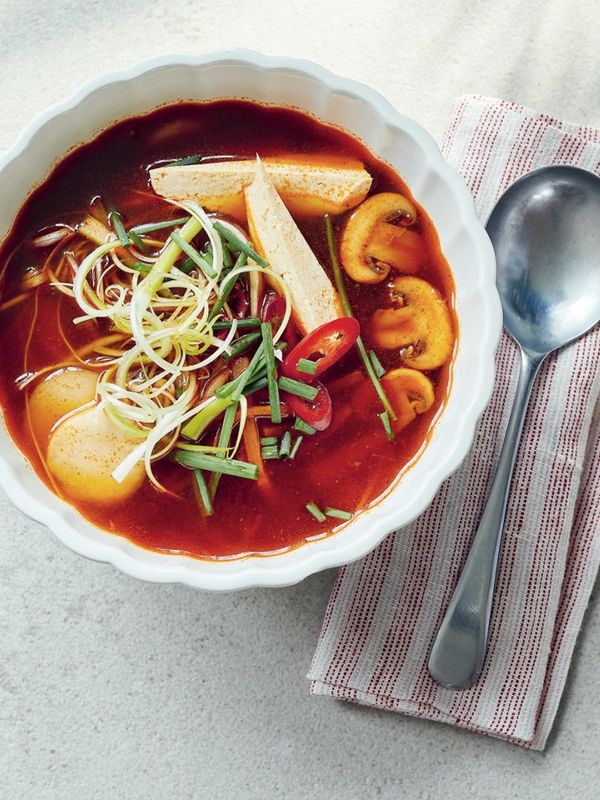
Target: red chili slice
324 346
316 413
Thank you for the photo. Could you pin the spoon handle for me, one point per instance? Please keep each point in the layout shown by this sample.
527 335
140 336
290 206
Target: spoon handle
458 651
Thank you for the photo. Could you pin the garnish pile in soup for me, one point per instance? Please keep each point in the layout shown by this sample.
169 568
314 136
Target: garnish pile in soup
225 328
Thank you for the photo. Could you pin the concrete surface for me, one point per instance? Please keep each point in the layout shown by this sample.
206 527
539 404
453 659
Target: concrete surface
112 689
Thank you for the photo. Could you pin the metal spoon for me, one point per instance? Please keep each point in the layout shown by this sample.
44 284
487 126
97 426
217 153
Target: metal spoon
546 233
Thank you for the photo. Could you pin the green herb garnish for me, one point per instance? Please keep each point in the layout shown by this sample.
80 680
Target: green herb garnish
192 253
267 441
385 421
184 162
286 445
256 386
225 290
225 324
377 365
297 444
204 493
223 442
304 427
314 509
269 453
341 287
137 241
267 336
298 388
141 266
338 513
225 466
241 260
116 221
241 345
227 259
238 245
307 366
149 227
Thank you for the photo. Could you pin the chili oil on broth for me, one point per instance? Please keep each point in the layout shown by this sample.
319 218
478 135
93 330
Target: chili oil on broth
348 466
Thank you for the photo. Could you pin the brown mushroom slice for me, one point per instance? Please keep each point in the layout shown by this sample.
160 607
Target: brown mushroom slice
400 247
420 328
411 393
357 253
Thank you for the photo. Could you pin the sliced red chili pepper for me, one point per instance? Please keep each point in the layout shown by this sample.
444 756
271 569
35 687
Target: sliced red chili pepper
273 310
316 413
324 346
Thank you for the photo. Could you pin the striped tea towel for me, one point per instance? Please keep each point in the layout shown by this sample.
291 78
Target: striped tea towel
384 610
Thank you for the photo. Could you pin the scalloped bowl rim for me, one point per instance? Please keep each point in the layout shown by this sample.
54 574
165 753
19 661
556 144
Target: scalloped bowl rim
451 439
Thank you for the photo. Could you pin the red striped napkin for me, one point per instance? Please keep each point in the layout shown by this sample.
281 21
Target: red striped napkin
384 611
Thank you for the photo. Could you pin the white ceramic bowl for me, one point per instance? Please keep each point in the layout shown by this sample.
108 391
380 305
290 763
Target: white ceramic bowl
393 137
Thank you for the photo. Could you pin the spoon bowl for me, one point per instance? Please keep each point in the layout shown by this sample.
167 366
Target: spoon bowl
546 234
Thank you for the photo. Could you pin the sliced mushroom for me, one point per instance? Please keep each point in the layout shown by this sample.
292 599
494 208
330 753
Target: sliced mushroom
419 326
411 394
369 246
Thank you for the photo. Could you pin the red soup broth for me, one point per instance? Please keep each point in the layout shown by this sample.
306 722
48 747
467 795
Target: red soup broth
347 466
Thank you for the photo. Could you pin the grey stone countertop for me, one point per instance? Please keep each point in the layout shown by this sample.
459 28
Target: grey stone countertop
111 688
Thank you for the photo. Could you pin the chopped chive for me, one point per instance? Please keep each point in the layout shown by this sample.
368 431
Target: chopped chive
226 466
116 221
314 509
227 259
267 336
204 493
241 260
238 245
298 388
241 345
225 324
286 445
337 512
297 444
270 453
377 366
307 366
223 442
225 290
385 421
248 373
304 427
256 386
268 440
341 288
186 266
136 240
184 162
141 266
149 227
192 253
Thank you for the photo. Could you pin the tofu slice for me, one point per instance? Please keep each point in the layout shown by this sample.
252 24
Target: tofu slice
305 188
280 241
